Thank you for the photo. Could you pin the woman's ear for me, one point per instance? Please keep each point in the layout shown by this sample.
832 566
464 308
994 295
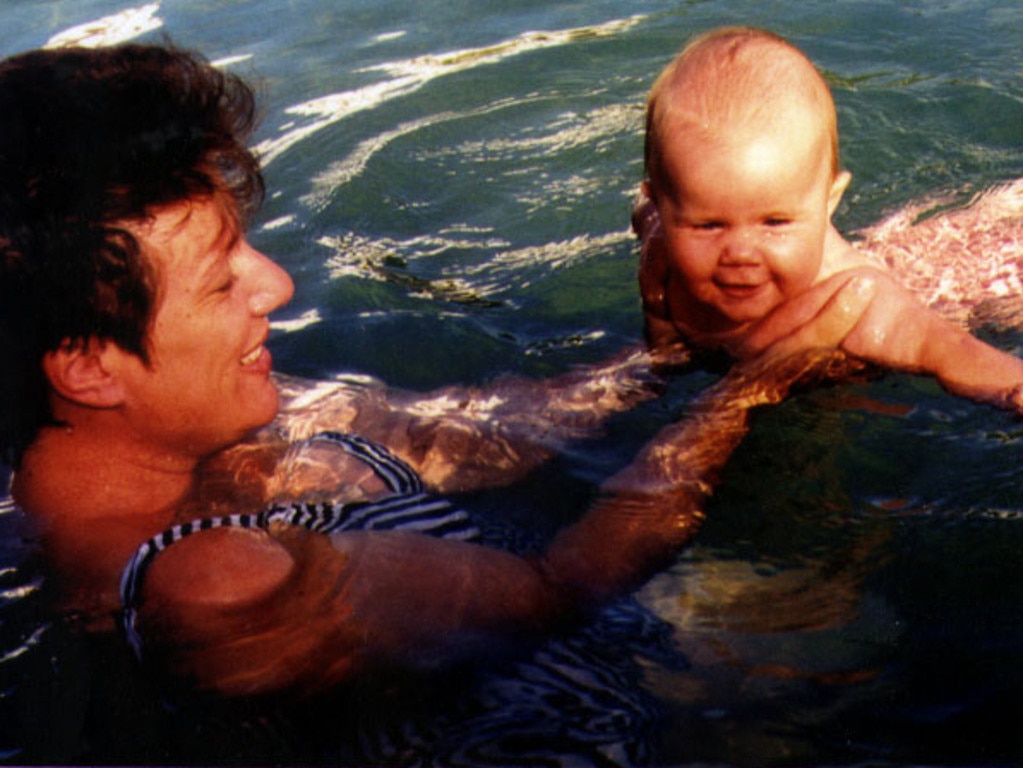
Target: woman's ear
838 187
82 373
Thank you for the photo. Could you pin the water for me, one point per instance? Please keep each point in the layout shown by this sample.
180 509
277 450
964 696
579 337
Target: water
451 192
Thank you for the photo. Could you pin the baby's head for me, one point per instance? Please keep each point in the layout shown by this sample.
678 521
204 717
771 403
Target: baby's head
736 82
742 165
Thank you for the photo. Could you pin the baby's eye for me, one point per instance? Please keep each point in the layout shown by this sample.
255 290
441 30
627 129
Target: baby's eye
707 226
777 221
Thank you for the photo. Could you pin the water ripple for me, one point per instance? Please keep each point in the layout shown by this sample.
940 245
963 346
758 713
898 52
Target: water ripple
109 30
410 75
501 273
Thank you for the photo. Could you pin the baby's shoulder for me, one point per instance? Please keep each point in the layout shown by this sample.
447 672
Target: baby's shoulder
843 257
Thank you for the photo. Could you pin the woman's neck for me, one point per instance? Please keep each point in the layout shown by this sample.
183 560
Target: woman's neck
69 472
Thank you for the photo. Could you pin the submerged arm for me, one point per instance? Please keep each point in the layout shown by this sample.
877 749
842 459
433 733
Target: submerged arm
466 438
243 612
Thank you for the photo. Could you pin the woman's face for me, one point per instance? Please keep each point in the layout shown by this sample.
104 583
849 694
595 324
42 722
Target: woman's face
207 383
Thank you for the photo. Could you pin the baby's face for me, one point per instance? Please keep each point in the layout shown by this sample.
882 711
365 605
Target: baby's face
744 220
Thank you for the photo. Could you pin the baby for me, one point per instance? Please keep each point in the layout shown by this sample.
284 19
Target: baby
738 248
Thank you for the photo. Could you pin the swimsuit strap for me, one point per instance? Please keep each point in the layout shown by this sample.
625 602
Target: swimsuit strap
408 509
135 570
398 475
418 512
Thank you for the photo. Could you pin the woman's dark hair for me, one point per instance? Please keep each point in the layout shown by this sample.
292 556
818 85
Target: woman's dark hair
90 138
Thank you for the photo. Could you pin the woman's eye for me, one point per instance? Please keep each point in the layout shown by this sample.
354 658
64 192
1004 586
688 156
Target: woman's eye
226 286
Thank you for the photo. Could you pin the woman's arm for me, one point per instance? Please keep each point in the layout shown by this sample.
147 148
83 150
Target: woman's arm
466 438
246 612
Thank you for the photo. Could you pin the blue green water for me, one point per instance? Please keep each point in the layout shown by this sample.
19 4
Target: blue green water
450 190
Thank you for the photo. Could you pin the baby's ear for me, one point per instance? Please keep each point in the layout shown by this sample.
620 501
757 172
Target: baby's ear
838 187
80 373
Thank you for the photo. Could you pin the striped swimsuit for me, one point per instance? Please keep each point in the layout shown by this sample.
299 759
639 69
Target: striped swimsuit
576 700
407 508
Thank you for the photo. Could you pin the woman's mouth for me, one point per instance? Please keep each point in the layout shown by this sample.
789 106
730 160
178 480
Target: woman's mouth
251 357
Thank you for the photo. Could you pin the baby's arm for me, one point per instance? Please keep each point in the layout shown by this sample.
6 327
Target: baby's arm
896 331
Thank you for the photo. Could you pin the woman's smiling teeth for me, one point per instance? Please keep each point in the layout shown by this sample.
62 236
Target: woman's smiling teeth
252 356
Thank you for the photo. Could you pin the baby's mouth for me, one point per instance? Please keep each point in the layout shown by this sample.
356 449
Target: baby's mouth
739 290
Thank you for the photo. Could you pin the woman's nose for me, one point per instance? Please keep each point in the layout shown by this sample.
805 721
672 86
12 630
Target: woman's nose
272 287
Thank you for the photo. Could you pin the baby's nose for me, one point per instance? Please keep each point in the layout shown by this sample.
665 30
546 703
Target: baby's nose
740 247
